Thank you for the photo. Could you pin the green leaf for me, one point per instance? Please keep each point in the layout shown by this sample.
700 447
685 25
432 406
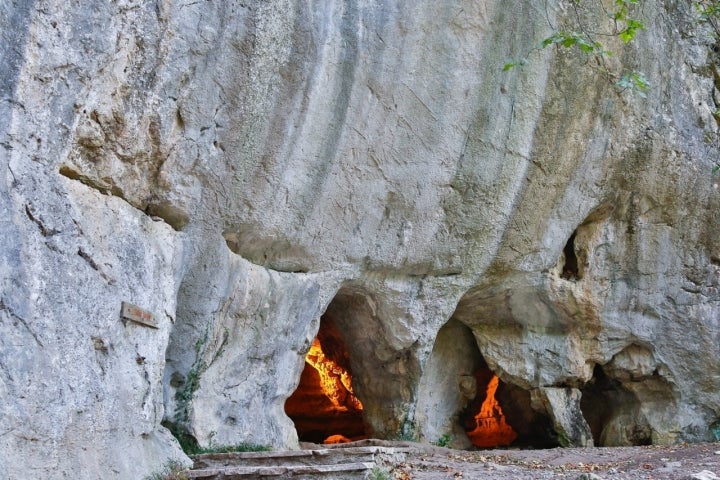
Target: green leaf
631 28
627 35
514 62
568 42
554 38
716 169
635 24
620 15
634 81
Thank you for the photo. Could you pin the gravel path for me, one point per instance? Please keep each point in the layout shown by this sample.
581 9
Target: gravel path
676 462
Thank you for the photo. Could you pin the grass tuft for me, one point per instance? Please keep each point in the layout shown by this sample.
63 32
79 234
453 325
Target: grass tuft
378 473
241 447
173 470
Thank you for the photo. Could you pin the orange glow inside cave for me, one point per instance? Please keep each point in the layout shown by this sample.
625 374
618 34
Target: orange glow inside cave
491 428
324 407
335 381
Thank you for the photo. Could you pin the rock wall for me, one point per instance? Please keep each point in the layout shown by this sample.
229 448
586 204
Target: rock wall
239 168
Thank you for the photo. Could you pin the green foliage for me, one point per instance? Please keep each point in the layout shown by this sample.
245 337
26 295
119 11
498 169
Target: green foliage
407 431
634 81
192 383
406 437
184 395
189 444
707 9
626 26
378 473
622 22
514 62
574 39
631 28
174 470
240 447
444 441
709 12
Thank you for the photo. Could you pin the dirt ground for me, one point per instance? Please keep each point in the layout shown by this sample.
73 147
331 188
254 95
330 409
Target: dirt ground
676 462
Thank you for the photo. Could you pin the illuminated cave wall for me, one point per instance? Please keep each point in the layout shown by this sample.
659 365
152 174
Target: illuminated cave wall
485 422
460 396
324 407
348 375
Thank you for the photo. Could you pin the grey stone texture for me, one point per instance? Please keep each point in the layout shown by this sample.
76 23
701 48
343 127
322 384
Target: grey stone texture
240 168
563 406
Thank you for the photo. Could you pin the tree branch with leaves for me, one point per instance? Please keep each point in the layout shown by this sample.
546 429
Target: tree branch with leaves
623 22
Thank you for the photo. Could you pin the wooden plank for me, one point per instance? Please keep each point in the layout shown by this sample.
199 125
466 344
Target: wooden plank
138 315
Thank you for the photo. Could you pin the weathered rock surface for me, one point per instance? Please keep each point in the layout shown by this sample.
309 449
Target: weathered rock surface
240 168
563 405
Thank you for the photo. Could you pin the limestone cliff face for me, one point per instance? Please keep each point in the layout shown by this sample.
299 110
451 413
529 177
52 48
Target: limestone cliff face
239 169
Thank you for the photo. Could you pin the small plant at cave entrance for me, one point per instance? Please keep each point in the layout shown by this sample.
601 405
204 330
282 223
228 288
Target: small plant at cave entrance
378 473
443 441
190 447
174 470
406 437
215 448
240 447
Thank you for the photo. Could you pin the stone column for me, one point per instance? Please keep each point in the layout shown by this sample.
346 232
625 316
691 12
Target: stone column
563 407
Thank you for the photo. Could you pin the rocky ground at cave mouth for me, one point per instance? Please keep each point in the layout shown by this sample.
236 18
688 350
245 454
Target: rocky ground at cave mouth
675 462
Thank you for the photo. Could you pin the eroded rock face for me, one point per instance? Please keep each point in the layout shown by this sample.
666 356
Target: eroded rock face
240 169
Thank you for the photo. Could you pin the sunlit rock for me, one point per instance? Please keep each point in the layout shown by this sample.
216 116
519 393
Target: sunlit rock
240 170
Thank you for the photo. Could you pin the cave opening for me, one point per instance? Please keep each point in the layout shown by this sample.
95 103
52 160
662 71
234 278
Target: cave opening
485 422
501 415
613 413
460 397
324 407
570 269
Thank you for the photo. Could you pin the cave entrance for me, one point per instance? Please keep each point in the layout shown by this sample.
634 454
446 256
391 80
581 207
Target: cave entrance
501 414
613 413
485 422
460 397
324 407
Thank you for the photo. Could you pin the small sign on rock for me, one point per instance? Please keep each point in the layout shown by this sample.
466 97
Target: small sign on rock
138 315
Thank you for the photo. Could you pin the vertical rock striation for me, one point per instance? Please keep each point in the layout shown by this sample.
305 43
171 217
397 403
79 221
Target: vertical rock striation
239 169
